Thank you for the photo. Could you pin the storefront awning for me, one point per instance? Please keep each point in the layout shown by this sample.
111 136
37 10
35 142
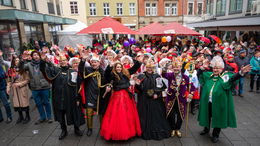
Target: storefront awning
234 22
12 14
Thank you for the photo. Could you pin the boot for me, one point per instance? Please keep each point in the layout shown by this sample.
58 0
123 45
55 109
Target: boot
89 132
20 119
27 118
77 131
63 134
64 131
205 131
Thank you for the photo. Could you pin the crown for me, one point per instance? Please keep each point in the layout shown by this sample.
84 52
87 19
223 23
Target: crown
95 57
177 61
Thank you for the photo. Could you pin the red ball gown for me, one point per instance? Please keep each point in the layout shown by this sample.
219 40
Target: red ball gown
121 119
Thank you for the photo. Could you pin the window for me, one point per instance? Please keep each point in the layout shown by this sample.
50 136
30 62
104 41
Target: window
235 6
6 2
33 31
209 8
221 7
250 5
200 8
132 8
34 8
170 9
167 9
106 9
147 9
151 9
174 9
58 7
22 4
119 8
154 9
92 8
190 8
74 7
9 38
51 7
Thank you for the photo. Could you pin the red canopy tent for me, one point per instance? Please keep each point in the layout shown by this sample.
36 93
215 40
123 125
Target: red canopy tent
175 28
107 25
152 28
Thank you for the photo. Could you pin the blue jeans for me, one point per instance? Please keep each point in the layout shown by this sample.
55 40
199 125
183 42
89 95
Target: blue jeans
240 86
42 101
6 104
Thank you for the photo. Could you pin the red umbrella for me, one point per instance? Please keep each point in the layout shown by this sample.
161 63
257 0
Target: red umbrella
152 28
205 40
107 25
215 38
175 28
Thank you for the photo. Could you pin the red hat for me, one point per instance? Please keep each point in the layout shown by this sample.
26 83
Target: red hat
137 49
230 56
222 47
174 54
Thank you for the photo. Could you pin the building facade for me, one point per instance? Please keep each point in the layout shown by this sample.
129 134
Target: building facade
22 21
166 11
231 19
75 9
124 11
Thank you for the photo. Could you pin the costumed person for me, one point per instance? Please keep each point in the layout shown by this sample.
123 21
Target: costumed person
193 78
17 87
216 103
65 101
150 105
177 97
90 85
121 120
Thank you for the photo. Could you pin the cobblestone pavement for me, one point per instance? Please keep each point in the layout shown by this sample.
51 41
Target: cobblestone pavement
247 132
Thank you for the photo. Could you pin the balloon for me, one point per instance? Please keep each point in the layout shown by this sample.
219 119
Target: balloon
168 38
132 41
126 44
164 40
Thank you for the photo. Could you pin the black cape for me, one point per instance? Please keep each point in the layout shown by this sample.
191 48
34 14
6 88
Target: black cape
151 111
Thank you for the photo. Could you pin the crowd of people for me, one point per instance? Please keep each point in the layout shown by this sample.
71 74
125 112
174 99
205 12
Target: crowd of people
142 88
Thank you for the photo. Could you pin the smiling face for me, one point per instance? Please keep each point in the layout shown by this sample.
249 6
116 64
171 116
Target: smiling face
75 65
149 70
177 69
36 56
119 68
63 62
217 70
16 62
94 64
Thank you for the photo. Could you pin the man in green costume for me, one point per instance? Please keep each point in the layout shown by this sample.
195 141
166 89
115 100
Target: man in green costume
216 103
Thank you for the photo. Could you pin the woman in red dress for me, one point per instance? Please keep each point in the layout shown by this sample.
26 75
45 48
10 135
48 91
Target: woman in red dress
121 121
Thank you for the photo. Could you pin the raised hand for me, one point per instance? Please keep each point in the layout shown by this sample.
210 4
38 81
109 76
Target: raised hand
246 69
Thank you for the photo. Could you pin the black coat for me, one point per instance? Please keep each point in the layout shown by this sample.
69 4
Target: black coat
64 94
